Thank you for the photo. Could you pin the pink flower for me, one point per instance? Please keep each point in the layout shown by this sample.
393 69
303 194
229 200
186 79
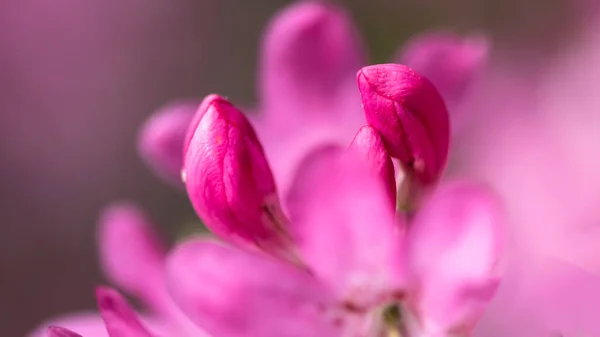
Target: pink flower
351 255
132 257
362 263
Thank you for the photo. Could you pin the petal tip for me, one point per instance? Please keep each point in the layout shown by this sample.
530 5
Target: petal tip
57 331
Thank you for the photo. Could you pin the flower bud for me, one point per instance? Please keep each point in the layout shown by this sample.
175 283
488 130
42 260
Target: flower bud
230 183
369 144
411 117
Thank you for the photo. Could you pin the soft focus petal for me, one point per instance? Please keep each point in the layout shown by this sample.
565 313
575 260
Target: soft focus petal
85 324
411 116
451 62
161 139
454 247
541 298
308 98
55 331
133 257
344 227
131 253
369 144
287 149
119 318
232 293
309 56
230 183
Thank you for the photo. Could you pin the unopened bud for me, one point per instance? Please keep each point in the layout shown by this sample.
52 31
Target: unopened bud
411 117
230 183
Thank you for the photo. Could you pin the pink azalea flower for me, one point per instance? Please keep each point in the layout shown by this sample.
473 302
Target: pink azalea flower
308 102
359 269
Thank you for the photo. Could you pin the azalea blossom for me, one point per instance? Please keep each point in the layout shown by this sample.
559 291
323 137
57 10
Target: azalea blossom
388 281
339 261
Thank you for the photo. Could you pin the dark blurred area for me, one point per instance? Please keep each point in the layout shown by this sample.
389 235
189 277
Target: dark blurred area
78 78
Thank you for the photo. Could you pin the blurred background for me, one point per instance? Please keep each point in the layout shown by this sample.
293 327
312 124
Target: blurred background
78 78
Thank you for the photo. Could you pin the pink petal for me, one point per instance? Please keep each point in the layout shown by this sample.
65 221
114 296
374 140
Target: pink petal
542 298
451 62
310 54
454 246
230 183
132 257
344 227
161 139
86 324
55 331
232 293
288 148
119 318
92 325
369 144
411 116
131 253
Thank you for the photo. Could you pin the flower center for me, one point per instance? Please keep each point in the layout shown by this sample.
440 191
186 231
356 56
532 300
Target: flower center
392 321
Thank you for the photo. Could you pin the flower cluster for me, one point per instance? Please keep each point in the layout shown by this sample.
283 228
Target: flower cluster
340 261
347 234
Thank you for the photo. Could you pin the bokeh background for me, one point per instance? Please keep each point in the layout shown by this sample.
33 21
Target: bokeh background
78 78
